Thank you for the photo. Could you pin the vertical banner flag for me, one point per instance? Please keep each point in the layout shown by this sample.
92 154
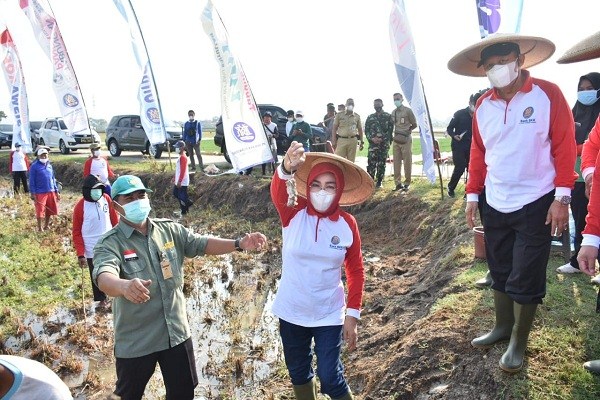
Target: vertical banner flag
150 111
11 66
242 126
403 52
64 81
499 16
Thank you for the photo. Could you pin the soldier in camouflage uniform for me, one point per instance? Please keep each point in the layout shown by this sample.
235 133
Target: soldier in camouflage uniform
378 130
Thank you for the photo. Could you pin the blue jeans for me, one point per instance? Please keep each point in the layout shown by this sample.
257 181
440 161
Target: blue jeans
298 356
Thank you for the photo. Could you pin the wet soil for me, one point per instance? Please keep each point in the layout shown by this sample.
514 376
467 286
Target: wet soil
406 350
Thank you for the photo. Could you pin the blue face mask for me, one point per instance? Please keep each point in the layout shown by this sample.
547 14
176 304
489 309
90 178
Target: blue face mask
96 194
137 211
587 97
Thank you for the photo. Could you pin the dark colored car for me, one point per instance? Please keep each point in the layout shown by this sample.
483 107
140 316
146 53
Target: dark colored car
6 135
125 132
279 116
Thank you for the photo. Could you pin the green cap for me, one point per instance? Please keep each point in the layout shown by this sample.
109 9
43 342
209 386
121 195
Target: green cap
127 184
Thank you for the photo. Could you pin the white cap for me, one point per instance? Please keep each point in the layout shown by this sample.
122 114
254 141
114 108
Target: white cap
299 113
42 151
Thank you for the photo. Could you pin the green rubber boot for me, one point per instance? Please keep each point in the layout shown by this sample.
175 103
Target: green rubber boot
512 360
592 366
484 282
308 391
347 396
505 320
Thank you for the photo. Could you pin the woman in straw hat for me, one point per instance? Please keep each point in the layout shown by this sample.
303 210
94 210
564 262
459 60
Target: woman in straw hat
523 153
318 238
587 49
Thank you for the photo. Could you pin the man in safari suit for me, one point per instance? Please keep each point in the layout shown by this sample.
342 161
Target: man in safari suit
404 123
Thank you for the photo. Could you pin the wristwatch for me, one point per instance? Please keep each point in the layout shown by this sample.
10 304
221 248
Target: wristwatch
564 200
237 245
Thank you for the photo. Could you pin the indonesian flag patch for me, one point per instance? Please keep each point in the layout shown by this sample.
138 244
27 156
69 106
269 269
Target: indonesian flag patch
130 255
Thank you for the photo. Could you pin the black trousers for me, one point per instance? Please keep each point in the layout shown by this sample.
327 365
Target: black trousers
517 246
460 157
20 177
178 367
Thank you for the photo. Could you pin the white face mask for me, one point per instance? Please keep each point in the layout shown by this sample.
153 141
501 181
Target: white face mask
96 153
349 107
17 149
290 119
502 75
299 119
43 160
321 200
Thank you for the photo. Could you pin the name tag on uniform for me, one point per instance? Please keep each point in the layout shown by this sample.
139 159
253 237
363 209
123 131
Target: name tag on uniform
401 120
165 266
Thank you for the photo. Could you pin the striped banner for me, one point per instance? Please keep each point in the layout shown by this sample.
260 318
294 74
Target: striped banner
150 111
499 16
64 81
245 137
18 109
403 52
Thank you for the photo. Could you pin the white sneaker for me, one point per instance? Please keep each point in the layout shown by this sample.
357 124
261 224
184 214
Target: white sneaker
567 269
596 280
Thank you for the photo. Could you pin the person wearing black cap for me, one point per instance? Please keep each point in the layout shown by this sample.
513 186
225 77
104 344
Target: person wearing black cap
18 165
328 119
291 120
272 133
93 216
523 152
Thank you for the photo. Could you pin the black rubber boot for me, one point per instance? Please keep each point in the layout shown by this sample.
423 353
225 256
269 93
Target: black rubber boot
512 360
505 320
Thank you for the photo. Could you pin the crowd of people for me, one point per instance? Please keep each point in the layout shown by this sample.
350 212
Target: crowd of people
138 260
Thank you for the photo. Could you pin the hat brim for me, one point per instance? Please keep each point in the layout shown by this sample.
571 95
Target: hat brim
535 49
130 190
587 49
358 185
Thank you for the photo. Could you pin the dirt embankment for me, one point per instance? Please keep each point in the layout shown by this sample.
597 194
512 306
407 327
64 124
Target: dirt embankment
406 351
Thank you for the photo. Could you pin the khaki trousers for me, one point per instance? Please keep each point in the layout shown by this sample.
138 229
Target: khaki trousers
403 153
346 147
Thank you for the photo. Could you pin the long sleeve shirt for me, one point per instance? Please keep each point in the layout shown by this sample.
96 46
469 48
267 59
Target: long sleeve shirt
523 149
98 166
311 292
18 162
91 220
41 178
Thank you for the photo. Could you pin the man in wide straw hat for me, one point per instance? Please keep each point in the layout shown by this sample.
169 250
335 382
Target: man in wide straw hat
318 239
587 49
523 153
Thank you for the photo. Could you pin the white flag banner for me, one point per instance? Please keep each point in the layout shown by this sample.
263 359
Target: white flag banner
64 81
150 111
18 109
245 137
403 52
499 16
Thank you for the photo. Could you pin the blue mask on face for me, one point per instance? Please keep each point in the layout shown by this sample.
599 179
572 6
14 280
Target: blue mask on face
137 211
587 97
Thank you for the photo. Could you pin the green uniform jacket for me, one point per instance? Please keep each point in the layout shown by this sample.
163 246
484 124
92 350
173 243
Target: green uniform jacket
382 126
303 137
161 322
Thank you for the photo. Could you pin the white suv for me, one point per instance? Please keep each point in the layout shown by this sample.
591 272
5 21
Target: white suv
54 133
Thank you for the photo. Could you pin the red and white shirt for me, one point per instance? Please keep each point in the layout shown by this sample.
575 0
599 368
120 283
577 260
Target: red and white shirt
91 220
98 166
311 292
182 172
18 161
522 149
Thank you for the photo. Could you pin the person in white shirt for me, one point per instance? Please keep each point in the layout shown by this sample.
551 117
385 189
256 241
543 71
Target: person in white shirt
25 379
18 166
291 121
98 165
319 238
182 178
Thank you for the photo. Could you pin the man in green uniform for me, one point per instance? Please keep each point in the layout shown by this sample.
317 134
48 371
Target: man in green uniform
140 263
378 129
404 122
347 132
